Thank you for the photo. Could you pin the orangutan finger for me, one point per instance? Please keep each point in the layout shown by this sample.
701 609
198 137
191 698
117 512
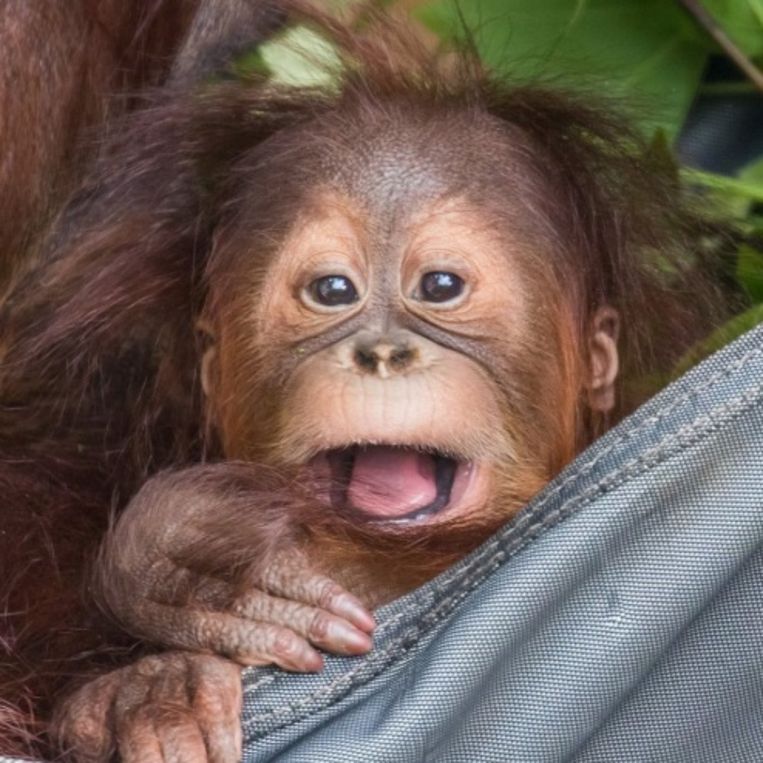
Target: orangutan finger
246 642
318 626
137 740
216 697
179 736
83 725
289 578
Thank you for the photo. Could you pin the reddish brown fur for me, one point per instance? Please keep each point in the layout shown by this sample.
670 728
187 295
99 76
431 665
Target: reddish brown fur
68 68
100 385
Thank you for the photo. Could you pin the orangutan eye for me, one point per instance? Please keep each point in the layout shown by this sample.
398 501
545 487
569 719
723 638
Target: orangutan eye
333 291
440 286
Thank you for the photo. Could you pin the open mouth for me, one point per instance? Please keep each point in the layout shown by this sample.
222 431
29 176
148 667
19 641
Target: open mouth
393 483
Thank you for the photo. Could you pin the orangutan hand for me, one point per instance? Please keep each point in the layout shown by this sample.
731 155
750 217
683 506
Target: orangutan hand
149 576
168 708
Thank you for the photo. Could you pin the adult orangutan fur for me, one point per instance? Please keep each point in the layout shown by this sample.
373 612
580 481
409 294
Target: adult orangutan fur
70 68
185 218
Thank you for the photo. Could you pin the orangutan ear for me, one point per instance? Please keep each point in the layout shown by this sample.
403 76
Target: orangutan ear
208 365
603 359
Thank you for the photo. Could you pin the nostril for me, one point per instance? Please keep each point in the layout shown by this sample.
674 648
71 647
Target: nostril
366 359
401 357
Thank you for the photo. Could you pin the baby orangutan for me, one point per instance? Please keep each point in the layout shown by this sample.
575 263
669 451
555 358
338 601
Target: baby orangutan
317 345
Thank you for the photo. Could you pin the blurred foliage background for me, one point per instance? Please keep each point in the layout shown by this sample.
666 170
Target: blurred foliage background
690 71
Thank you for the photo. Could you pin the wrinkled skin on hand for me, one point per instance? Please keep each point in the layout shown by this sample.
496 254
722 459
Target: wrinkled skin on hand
170 708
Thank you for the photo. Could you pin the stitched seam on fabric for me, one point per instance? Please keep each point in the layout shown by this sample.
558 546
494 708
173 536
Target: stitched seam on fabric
677 441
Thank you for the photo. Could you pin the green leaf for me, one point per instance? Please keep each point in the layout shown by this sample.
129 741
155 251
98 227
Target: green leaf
750 272
754 225
744 189
250 64
720 338
742 20
732 197
300 57
753 173
645 52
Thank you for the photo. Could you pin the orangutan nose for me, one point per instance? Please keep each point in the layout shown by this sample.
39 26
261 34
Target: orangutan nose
384 356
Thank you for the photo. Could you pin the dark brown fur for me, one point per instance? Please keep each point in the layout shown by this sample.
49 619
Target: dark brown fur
100 389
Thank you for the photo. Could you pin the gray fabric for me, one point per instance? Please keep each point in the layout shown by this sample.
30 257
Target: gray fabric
618 618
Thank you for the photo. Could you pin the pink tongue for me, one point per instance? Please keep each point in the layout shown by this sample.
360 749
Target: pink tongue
391 482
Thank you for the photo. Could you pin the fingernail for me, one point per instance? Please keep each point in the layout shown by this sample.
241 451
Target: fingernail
351 609
350 640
